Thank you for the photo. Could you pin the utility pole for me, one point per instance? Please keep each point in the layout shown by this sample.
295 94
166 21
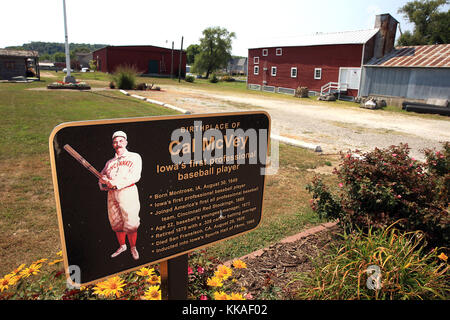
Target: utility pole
181 55
171 64
67 78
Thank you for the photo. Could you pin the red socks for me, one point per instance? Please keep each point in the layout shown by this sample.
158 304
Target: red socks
132 236
121 237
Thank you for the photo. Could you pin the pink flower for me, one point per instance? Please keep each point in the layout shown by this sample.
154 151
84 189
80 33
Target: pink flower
399 196
200 270
190 270
394 154
341 185
248 296
203 297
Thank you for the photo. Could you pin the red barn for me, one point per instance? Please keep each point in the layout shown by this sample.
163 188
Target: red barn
149 60
319 61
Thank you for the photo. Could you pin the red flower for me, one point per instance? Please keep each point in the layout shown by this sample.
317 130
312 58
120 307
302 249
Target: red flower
190 270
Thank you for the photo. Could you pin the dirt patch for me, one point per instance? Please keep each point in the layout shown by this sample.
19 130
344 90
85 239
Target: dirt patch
271 275
329 167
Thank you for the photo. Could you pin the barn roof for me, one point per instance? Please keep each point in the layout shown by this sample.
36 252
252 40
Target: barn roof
317 39
431 56
18 53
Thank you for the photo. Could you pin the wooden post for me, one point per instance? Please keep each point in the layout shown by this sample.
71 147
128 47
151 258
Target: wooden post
171 64
174 278
181 55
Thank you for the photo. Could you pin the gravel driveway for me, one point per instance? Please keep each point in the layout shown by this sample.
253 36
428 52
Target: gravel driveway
333 128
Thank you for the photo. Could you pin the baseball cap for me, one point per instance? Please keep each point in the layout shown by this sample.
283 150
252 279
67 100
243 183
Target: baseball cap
119 134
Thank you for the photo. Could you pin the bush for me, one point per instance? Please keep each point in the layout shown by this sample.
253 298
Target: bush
125 77
228 78
214 79
380 187
382 265
301 92
142 86
189 78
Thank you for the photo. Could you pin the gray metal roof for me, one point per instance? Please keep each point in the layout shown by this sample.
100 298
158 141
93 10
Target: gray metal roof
318 39
18 53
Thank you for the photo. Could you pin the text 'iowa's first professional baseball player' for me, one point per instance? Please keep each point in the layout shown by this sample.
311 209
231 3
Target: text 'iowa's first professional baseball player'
120 175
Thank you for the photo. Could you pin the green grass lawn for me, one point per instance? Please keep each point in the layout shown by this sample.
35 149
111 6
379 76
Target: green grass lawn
28 116
28 219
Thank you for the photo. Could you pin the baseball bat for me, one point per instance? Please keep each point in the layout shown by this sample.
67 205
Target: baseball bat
82 160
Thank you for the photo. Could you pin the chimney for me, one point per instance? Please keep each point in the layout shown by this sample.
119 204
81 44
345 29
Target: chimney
385 38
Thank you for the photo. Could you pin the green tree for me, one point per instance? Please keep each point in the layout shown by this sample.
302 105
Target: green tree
431 26
215 50
59 57
191 52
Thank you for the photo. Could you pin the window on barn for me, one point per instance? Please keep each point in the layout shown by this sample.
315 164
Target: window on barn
273 71
265 52
294 72
279 51
255 60
255 70
318 73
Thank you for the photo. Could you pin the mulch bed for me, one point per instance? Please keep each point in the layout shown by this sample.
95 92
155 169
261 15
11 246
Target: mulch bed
269 275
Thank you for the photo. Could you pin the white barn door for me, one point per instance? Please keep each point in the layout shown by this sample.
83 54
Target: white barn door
350 77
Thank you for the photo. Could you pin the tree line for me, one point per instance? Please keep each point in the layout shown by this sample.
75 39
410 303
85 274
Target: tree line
54 51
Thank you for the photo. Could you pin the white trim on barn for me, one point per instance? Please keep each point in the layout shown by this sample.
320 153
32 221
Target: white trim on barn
294 72
273 71
317 73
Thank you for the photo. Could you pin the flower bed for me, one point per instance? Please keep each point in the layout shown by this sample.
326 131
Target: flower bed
68 85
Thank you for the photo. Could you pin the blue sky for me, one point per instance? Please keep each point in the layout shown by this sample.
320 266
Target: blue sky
144 22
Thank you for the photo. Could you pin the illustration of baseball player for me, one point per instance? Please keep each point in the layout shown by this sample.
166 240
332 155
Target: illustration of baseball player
118 177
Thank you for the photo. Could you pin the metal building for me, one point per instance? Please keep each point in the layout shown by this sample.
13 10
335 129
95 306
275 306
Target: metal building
409 73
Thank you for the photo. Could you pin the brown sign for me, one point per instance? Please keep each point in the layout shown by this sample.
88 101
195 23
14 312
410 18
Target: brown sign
130 192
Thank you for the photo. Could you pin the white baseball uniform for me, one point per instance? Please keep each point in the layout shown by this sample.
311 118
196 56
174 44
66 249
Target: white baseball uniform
123 202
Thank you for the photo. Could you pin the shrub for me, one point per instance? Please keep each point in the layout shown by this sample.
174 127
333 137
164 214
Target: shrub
125 77
228 78
301 92
189 78
382 186
214 79
142 86
382 265
439 165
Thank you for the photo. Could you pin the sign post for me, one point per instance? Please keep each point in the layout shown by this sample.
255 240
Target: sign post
174 278
140 191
